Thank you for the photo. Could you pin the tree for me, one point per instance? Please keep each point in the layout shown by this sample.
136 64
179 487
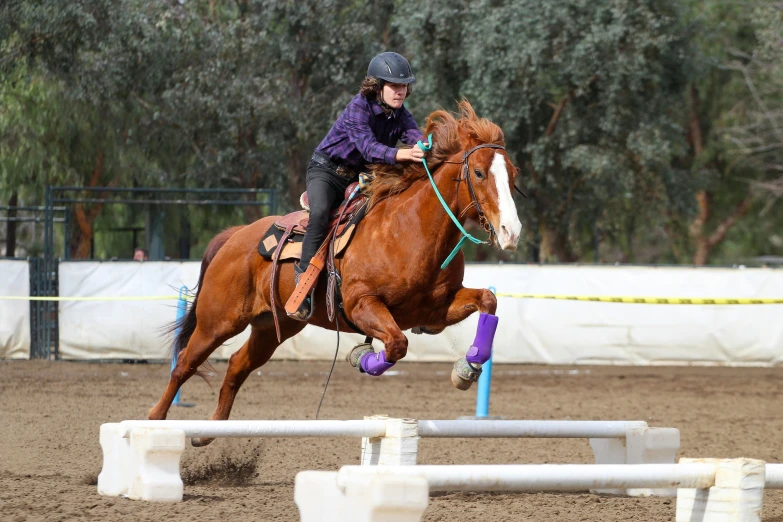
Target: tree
317 54
66 125
756 121
589 95
639 127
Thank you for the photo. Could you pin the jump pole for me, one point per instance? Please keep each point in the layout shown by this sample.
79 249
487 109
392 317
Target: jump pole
141 458
182 308
708 490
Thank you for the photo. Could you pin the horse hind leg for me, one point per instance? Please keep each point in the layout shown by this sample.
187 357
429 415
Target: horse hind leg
253 354
199 348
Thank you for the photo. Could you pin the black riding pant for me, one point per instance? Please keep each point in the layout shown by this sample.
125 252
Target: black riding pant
325 192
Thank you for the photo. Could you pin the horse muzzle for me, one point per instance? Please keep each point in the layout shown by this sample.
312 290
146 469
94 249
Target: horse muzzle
508 235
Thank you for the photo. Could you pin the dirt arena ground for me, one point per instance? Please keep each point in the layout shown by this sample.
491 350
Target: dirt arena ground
50 413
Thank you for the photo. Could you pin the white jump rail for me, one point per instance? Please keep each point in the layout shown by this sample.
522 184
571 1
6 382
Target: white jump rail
141 458
263 428
377 428
709 490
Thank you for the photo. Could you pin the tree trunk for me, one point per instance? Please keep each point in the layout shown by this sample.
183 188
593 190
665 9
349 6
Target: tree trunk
81 237
252 213
696 139
296 168
704 242
10 236
554 246
82 233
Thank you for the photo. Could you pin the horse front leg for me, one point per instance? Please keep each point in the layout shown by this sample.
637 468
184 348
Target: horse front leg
374 318
466 301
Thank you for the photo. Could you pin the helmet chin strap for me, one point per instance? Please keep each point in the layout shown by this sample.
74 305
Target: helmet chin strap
385 106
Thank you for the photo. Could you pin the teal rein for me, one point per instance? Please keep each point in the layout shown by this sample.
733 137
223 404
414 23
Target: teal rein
465 234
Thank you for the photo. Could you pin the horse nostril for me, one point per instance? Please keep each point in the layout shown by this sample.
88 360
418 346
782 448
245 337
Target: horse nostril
504 230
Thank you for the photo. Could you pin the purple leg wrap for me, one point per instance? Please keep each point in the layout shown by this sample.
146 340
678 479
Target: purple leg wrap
375 363
481 350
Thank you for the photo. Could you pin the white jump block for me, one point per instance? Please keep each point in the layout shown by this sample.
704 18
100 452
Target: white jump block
737 495
113 479
711 490
399 446
641 445
144 466
380 499
154 464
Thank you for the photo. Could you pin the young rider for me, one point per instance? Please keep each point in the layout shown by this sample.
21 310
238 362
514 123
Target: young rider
367 131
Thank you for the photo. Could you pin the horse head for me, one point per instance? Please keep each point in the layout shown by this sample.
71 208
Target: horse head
485 169
485 176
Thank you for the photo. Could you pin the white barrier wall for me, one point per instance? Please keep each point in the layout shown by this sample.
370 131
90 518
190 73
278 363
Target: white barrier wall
119 329
530 330
567 332
14 314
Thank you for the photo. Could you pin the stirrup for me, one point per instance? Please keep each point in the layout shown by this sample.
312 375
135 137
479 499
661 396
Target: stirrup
306 308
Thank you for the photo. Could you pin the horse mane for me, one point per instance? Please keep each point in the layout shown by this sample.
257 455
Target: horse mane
446 133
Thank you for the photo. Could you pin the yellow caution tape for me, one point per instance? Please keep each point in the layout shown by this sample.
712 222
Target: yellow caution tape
95 298
649 300
588 298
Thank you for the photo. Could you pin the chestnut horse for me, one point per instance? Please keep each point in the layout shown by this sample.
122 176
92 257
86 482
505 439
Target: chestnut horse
391 272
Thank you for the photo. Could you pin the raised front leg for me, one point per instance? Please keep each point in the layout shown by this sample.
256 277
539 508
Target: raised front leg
466 301
372 316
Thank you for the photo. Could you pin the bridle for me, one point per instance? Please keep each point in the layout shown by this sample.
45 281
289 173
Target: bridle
465 176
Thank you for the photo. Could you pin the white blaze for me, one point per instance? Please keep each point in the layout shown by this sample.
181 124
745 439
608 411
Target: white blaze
509 227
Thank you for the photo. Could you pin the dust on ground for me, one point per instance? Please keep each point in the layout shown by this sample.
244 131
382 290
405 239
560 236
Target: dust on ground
50 414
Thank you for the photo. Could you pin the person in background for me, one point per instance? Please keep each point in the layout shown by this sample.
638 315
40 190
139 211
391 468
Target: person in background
140 255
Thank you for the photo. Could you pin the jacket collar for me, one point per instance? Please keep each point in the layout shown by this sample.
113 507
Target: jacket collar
378 110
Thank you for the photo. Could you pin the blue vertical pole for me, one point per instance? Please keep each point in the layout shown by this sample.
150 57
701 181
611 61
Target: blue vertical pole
484 383
182 307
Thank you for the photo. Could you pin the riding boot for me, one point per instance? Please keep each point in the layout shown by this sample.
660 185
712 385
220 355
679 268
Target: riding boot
303 312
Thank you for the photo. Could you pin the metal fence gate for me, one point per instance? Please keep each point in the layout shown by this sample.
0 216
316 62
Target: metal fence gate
44 333
44 327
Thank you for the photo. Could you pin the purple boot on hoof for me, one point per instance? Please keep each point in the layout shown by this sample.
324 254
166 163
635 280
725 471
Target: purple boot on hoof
375 363
468 369
481 350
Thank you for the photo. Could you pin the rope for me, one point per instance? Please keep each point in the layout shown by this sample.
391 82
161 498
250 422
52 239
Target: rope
465 234
650 300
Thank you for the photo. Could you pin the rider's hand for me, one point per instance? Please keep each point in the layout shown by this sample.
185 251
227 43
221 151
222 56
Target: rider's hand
412 154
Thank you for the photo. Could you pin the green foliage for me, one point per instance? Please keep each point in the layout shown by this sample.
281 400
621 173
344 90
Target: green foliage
589 95
594 98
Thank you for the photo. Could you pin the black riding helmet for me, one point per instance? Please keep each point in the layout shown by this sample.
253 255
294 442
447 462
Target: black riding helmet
392 68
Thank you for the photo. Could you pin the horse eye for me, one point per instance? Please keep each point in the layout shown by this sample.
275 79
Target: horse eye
479 174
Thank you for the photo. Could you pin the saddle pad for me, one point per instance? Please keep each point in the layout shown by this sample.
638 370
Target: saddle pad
293 248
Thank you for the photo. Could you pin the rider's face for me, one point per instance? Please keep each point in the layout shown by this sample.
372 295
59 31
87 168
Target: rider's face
394 94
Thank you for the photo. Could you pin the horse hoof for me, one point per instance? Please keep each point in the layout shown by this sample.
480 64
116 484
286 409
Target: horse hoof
356 354
200 442
464 374
459 382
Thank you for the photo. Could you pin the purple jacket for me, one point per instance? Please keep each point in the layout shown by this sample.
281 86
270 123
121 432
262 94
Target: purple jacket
364 134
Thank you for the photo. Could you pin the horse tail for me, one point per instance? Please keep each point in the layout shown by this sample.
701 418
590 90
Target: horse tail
187 325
